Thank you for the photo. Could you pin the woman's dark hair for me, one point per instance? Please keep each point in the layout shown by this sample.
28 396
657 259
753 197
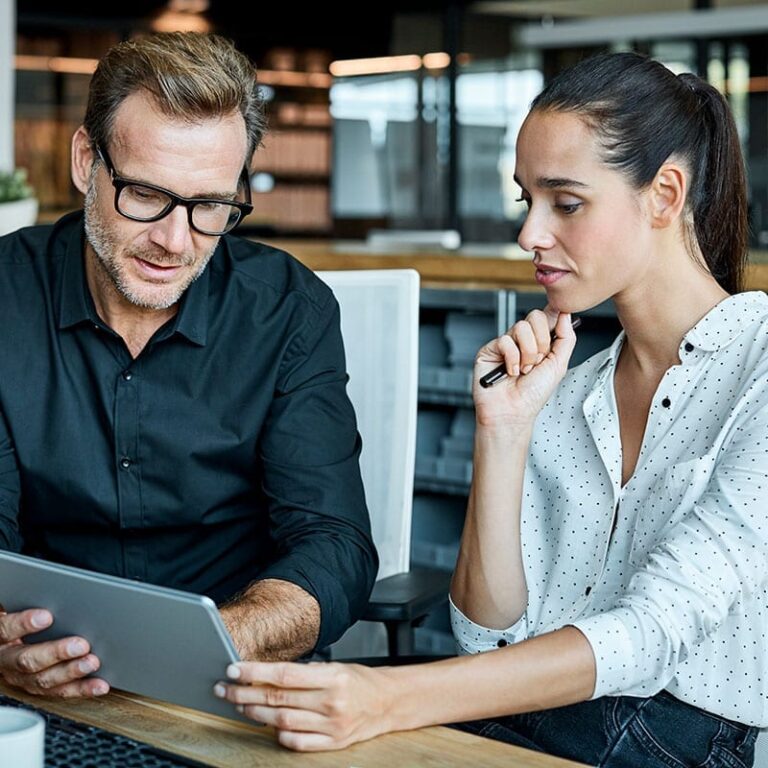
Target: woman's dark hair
643 114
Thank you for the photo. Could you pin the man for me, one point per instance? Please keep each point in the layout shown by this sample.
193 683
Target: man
172 400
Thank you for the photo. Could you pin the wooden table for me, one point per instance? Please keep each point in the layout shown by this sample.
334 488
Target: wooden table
229 744
472 266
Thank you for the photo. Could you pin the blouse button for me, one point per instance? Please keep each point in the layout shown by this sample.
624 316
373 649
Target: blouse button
666 402
501 643
688 346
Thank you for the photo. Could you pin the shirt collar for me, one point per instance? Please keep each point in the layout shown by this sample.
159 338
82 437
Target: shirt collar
76 304
717 329
611 355
728 320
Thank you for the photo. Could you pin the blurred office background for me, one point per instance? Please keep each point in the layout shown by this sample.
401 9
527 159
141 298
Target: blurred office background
395 116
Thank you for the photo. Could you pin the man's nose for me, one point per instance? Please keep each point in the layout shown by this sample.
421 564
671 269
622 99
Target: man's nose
172 232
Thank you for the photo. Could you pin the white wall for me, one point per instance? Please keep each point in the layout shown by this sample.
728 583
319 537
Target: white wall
7 95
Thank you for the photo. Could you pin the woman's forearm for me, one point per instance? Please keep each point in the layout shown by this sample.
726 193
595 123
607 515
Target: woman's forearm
551 670
489 583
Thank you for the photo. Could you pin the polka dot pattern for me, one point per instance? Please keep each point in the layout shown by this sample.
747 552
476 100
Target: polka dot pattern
667 576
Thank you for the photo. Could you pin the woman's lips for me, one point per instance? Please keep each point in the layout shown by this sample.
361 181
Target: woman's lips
549 276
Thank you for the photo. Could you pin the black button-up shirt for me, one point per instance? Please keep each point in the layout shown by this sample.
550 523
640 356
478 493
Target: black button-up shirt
227 451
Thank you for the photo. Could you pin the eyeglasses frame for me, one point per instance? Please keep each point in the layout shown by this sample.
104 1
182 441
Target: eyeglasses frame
120 182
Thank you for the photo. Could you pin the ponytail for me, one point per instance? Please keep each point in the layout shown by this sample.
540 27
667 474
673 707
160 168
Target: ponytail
642 115
717 197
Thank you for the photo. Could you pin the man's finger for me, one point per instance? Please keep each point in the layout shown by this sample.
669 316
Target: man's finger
34 658
15 626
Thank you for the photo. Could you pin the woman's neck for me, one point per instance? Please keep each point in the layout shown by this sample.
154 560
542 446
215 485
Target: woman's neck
656 316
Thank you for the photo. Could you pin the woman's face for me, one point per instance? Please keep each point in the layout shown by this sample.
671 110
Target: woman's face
586 225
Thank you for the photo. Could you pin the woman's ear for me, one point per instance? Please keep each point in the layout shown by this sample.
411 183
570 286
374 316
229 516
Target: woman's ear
82 159
668 192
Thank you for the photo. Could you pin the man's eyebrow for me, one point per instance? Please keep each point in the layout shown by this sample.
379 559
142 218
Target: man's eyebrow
556 182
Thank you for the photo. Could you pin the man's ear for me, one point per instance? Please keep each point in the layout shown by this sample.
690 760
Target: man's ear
82 159
668 192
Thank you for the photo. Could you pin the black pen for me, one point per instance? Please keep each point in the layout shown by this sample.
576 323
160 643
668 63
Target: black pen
500 371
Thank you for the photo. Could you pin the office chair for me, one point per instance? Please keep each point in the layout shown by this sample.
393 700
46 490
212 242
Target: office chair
380 327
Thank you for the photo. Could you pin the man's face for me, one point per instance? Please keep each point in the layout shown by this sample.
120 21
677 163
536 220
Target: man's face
149 265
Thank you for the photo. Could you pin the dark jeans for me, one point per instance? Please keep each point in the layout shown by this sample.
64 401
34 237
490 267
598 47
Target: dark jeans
627 732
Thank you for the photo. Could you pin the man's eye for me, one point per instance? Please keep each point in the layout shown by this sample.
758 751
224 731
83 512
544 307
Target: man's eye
526 200
143 194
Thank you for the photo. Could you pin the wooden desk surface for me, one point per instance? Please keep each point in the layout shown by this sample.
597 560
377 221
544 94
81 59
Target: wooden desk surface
229 744
487 266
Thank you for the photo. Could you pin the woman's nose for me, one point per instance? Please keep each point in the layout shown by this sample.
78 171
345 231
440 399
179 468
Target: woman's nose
536 234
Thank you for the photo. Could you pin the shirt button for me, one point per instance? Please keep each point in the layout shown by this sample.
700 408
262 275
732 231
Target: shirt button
587 591
502 643
666 402
127 375
688 346
125 462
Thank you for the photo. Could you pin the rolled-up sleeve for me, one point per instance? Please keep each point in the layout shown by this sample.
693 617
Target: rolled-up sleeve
707 565
309 455
475 638
10 538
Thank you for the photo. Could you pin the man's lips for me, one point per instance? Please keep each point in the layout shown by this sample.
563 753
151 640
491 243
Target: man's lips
152 267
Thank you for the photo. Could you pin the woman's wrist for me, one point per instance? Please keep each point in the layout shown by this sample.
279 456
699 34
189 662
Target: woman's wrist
507 433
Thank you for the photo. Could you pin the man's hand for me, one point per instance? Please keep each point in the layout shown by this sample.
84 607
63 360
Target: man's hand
52 668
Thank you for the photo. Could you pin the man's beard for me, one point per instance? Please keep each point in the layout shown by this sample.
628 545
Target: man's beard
112 261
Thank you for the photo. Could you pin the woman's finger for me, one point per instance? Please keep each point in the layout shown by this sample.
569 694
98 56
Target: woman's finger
565 337
287 719
540 323
273 696
283 674
523 335
309 742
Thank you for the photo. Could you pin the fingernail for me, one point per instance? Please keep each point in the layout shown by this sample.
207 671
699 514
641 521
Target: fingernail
102 689
241 709
527 368
85 666
516 370
539 358
39 620
76 648
219 690
233 671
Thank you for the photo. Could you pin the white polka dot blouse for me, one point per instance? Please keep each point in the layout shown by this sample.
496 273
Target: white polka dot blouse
676 597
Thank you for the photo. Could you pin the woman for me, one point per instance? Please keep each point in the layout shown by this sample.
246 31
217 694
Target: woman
615 546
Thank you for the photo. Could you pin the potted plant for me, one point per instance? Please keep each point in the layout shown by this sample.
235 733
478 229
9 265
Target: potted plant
18 204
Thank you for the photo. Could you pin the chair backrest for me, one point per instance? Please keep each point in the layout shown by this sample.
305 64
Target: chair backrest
380 327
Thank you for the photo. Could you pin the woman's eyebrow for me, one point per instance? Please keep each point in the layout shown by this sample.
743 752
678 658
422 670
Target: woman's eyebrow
556 182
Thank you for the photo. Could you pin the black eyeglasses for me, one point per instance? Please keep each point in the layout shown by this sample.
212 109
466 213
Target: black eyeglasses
140 201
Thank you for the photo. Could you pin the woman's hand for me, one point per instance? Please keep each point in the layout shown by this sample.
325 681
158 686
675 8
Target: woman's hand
535 366
313 706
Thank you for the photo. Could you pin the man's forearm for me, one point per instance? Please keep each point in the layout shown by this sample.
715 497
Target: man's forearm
273 620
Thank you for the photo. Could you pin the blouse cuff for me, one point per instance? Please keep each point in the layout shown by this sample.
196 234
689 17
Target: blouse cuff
474 638
613 651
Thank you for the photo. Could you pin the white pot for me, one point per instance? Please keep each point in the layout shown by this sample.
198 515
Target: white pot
19 213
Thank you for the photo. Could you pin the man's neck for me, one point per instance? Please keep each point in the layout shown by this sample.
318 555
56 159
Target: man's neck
135 325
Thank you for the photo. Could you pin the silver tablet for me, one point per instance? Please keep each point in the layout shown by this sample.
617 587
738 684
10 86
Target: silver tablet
154 641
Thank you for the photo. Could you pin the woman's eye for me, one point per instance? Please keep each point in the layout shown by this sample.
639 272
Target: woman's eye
568 208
